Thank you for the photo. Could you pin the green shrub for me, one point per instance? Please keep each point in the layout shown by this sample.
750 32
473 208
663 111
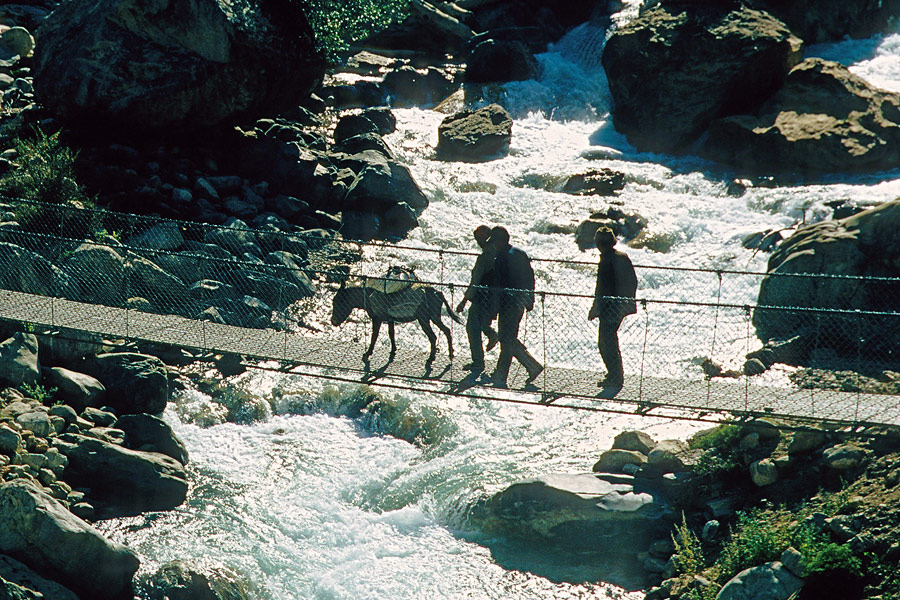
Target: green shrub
832 557
688 549
37 392
338 23
725 437
758 537
45 171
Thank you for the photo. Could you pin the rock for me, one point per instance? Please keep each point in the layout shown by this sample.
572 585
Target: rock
127 481
763 472
667 457
352 125
824 119
150 281
749 441
843 457
754 366
765 428
804 441
500 61
862 245
612 461
819 21
37 422
138 65
77 389
83 265
99 417
771 581
140 381
19 360
107 434
180 580
165 236
234 235
15 42
475 135
710 530
383 118
379 186
793 562
363 142
699 61
409 87
10 440
637 441
598 182
598 513
150 433
17 573
41 533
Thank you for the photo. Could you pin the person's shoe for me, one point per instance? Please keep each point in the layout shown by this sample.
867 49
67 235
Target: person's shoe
474 367
497 382
532 375
491 342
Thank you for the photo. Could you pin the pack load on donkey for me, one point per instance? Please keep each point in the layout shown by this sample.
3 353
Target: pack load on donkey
397 297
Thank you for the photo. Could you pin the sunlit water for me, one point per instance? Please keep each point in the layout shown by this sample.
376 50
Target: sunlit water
310 503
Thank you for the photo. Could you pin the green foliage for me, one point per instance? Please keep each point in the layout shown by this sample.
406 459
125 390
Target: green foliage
714 463
723 437
338 23
832 557
37 392
45 171
758 537
688 549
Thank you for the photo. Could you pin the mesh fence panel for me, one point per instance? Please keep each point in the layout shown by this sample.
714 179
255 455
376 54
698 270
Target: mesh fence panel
309 298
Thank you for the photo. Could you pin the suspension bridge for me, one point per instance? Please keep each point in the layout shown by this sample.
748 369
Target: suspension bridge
266 296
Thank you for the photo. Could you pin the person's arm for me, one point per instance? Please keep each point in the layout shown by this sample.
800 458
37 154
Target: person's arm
595 307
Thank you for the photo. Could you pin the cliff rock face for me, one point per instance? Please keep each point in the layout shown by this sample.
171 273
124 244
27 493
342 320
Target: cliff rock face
824 120
678 67
830 20
154 64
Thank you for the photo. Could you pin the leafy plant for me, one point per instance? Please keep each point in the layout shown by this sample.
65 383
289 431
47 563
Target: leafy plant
338 23
45 171
725 436
833 557
759 536
37 392
688 549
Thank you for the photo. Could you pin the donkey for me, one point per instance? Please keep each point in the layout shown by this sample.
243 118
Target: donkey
417 302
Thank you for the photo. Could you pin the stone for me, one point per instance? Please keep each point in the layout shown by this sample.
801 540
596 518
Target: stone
38 422
290 270
698 61
597 182
107 434
16 42
383 119
349 126
138 66
99 417
666 457
150 433
749 441
613 460
500 61
83 265
181 580
165 236
411 87
804 441
818 21
710 530
77 389
43 535
721 508
19 360
34 461
161 288
10 440
824 119
33 274
771 581
127 481
637 441
843 457
765 428
475 135
17 573
379 186
140 381
16 408
763 472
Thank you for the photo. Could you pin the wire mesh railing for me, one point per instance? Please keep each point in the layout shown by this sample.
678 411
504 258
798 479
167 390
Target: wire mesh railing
702 339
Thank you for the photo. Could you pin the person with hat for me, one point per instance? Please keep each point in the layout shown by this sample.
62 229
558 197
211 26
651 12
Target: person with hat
614 299
484 301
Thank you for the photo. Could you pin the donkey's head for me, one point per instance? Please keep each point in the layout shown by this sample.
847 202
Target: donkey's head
345 300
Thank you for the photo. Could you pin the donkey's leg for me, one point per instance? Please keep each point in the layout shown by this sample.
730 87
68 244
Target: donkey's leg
376 327
391 335
446 331
432 338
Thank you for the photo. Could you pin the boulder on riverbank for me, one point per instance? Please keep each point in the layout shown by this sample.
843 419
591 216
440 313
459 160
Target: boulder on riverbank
140 381
698 62
181 580
42 534
475 135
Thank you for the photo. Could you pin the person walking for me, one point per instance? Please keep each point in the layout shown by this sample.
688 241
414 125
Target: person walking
514 285
484 301
614 299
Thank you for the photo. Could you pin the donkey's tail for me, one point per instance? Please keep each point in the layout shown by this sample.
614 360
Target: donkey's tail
448 307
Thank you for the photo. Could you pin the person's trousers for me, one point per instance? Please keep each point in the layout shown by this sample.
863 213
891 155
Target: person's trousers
478 321
608 344
508 321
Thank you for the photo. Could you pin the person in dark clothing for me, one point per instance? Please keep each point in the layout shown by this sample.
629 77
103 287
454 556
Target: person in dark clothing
514 285
484 302
614 299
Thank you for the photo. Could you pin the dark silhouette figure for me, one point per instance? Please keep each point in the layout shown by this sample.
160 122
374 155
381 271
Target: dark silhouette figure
514 286
614 299
484 302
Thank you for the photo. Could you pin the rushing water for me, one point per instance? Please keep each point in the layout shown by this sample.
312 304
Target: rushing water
311 500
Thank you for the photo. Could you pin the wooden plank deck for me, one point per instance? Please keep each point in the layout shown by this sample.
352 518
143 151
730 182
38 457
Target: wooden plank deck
720 398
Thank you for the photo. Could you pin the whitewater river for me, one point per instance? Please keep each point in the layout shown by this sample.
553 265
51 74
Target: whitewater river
309 503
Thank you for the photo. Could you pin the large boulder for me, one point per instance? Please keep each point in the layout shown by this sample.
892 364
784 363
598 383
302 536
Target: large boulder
494 60
33 274
475 135
125 481
824 120
77 389
149 433
698 61
139 382
865 244
148 280
180 580
818 21
19 360
84 265
173 64
771 581
41 533
17 573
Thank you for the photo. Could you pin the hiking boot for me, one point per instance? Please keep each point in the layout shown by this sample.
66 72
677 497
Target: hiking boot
497 382
474 367
533 374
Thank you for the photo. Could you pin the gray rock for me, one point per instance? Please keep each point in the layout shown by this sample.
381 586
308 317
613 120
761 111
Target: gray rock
637 441
140 381
77 389
83 266
16 42
165 236
150 281
793 562
475 135
150 433
667 457
710 530
500 61
42 534
127 481
763 472
129 64
16 408
99 417
19 360
10 440
613 460
15 572
33 274
180 580
771 581
290 269
377 187
234 235
843 457
107 434
38 422
804 441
